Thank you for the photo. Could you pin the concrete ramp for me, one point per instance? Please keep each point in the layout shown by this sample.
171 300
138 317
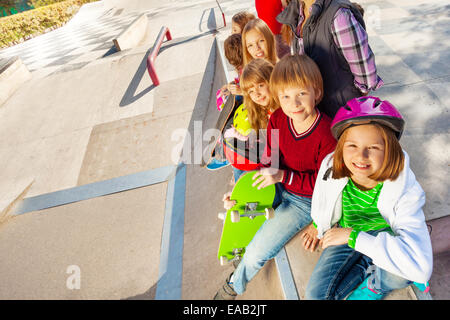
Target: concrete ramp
132 214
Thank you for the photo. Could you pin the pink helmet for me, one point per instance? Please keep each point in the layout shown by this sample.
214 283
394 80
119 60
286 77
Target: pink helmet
367 109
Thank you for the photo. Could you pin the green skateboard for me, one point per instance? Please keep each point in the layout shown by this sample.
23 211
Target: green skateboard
243 220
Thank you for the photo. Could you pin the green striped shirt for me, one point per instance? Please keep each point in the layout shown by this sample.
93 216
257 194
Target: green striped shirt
359 210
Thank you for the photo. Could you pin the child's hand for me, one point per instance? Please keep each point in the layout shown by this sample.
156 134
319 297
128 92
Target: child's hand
267 177
227 203
224 91
310 239
233 133
336 236
234 89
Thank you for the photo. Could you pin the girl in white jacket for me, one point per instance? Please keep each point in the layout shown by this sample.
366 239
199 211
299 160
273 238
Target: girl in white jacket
367 209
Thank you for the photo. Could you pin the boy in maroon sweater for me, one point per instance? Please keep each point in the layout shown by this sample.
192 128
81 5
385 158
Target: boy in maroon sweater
298 138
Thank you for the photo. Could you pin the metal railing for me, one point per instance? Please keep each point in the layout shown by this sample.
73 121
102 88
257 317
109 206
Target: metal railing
163 33
223 14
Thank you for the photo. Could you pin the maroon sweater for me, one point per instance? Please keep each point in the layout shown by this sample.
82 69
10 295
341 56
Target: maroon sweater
300 154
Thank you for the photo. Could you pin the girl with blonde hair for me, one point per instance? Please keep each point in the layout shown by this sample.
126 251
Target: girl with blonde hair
258 42
244 140
255 88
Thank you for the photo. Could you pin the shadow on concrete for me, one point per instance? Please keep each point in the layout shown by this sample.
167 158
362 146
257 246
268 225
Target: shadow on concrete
211 23
203 115
147 295
130 95
111 51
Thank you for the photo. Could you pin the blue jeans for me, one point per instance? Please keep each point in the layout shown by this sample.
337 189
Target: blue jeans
237 173
341 269
291 215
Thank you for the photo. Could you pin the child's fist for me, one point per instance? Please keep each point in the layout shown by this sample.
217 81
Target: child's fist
227 203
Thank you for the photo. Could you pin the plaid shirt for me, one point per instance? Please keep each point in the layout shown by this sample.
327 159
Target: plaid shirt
353 42
351 38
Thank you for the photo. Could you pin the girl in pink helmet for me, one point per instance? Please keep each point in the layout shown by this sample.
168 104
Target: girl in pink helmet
367 209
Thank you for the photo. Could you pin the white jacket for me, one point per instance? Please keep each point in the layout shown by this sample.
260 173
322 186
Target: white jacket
408 254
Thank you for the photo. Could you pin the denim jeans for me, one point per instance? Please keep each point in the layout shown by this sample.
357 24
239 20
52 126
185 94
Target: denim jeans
291 215
237 173
341 269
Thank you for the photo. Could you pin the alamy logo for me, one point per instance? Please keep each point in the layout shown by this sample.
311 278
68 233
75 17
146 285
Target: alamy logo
73 282
190 148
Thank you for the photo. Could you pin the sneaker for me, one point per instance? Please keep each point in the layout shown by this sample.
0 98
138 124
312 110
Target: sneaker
424 287
236 261
217 164
226 292
365 292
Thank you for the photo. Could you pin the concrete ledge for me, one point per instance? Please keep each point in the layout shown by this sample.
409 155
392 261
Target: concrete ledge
133 34
94 190
12 75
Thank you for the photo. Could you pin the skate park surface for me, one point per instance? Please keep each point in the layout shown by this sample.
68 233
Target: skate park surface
112 196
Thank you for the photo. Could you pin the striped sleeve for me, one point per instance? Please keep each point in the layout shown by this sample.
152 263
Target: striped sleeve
352 238
351 38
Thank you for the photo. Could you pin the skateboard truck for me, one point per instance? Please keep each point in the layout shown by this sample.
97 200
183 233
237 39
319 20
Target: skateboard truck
251 207
236 256
251 212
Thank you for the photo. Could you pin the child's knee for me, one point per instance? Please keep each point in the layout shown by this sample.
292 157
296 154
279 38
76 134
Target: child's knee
254 258
314 292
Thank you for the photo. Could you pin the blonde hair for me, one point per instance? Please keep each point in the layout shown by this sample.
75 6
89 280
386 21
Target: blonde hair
296 71
393 161
260 26
241 18
257 71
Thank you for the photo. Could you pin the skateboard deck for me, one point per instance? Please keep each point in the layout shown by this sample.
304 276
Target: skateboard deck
225 115
252 208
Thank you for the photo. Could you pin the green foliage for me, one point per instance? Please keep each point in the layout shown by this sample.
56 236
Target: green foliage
8 3
10 7
21 26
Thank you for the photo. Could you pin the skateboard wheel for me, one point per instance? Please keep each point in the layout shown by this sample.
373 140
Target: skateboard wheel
221 216
223 260
270 213
235 217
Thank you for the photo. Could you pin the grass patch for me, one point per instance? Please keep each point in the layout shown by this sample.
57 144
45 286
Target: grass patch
28 24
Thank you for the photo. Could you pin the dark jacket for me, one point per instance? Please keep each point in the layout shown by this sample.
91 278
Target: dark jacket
338 80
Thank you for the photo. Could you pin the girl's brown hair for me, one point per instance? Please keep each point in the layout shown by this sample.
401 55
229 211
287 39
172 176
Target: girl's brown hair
233 50
296 71
241 18
393 161
260 26
257 71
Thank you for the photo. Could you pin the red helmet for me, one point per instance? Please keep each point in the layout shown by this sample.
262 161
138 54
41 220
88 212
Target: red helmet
367 109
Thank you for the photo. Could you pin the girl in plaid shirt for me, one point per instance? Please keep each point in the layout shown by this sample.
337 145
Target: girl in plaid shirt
332 33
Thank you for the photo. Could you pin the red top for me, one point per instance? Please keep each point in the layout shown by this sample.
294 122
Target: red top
267 10
300 153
